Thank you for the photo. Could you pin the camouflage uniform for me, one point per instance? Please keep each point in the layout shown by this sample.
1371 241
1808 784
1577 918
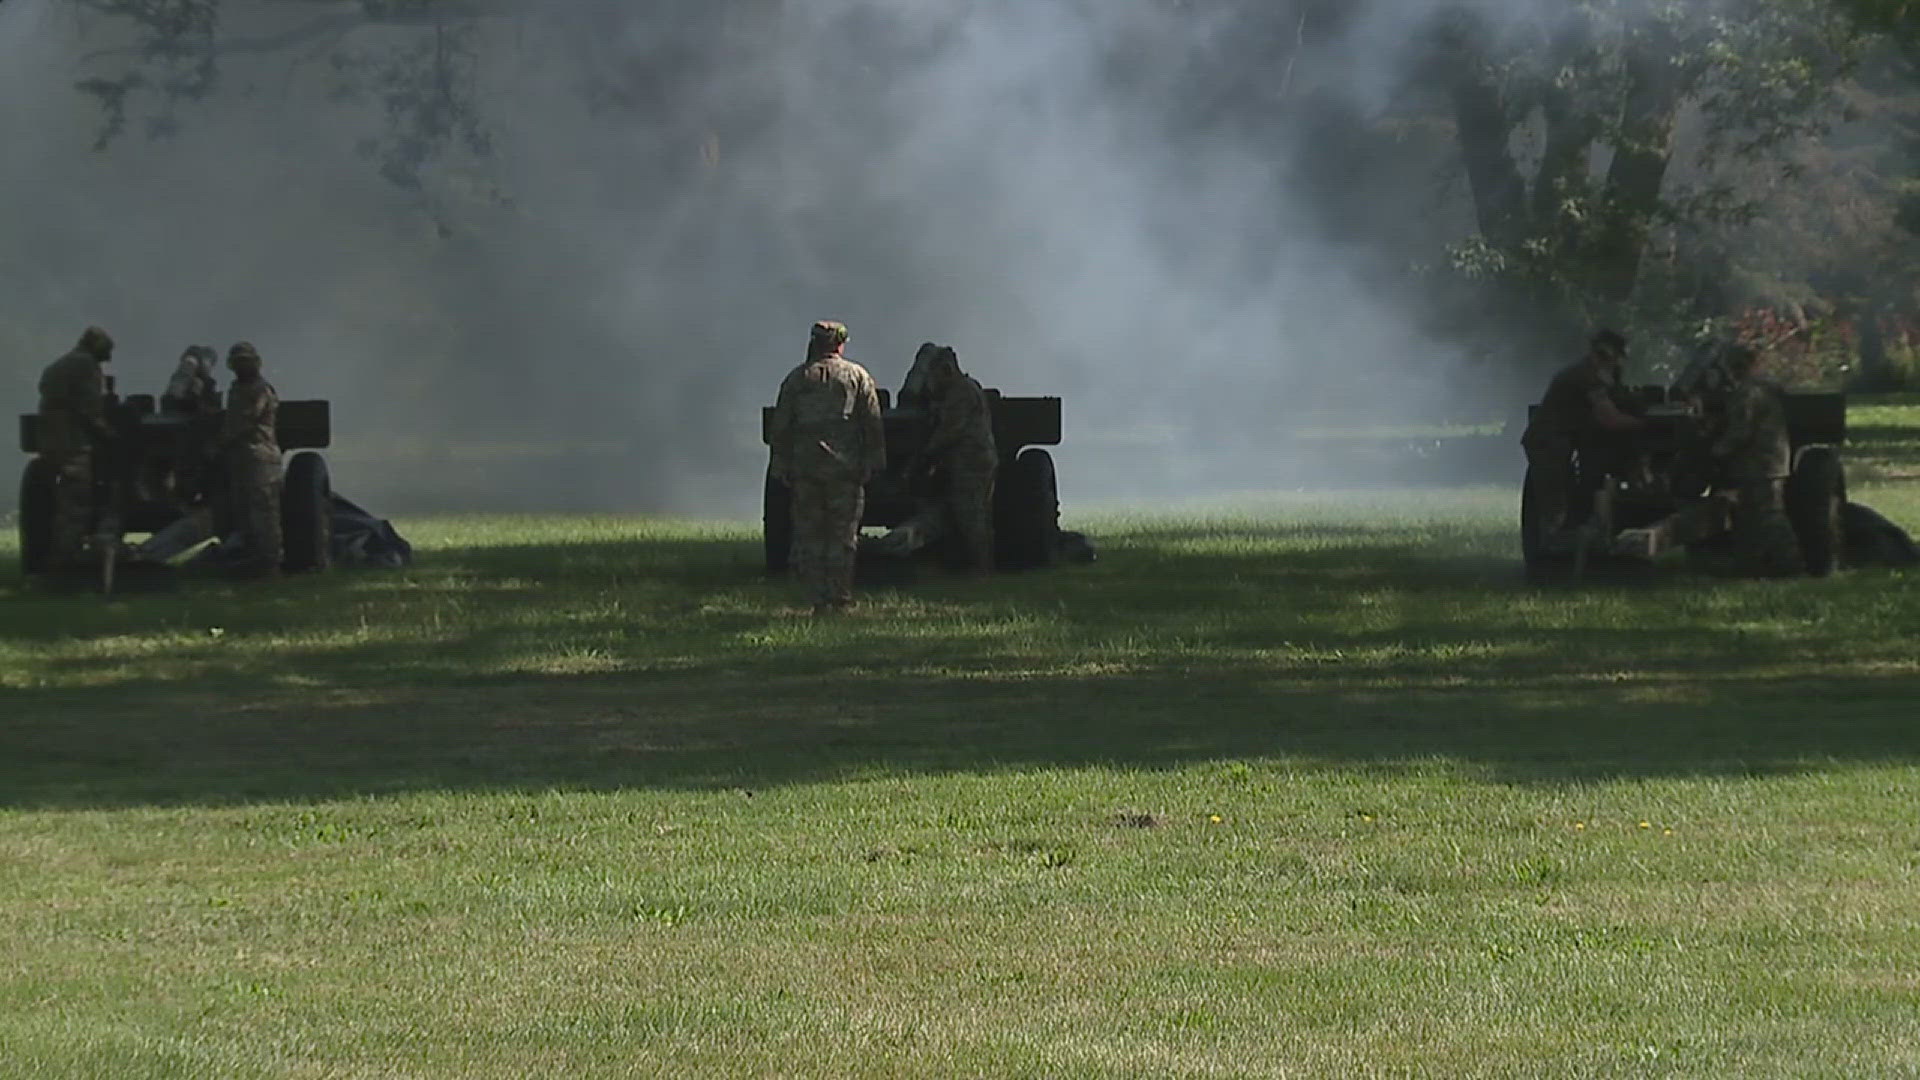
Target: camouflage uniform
192 390
73 399
252 449
826 439
1562 423
962 449
1755 456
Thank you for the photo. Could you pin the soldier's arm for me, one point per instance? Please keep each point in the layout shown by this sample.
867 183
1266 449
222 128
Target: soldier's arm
1609 415
233 423
90 400
780 433
873 432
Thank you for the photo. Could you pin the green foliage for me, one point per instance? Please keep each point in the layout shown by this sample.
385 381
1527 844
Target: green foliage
1541 100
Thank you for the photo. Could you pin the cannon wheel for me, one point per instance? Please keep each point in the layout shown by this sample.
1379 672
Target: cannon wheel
1027 517
1533 547
306 514
1816 494
1539 557
36 516
776 524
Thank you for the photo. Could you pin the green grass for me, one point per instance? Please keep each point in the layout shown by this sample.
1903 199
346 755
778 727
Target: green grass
1316 787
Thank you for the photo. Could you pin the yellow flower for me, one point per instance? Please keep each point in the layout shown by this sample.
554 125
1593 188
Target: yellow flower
1579 825
1215 818
1666 832
1646 825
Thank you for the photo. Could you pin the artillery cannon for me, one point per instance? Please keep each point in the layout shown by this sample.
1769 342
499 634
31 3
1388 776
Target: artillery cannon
1633 481
159 469
1026 511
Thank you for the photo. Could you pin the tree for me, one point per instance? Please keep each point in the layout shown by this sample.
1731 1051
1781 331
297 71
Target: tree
1570 121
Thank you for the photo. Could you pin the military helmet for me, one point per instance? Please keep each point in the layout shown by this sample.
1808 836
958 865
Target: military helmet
96 343
828 334
243 355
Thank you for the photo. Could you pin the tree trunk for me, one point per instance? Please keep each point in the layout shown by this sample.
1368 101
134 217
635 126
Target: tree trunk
1656 85
1499 191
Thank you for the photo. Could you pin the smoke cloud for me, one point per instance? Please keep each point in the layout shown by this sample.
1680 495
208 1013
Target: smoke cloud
1120 204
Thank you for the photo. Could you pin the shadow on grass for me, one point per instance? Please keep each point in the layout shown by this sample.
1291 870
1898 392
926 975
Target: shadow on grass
671 664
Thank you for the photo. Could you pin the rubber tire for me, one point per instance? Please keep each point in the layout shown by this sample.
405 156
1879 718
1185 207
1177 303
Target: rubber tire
1534 554
36 515
306 514
1532 547
776 524
1027 514
1816 492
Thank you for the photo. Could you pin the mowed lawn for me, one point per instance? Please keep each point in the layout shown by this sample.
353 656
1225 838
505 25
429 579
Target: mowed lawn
1315 787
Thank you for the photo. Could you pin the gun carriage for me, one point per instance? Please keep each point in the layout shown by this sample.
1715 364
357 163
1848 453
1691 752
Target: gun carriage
1026 512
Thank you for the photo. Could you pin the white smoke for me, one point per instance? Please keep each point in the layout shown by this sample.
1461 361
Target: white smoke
1014 177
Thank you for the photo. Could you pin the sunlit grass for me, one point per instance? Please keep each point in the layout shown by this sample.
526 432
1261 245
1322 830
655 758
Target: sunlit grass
1316 784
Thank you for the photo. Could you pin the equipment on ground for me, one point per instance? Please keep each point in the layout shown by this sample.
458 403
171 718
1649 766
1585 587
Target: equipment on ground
1026 511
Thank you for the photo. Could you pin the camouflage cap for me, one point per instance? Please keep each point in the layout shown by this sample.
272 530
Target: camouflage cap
96 343
243 352
829 334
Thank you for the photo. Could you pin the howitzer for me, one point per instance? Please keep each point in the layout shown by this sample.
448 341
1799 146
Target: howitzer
1634 480
156 468
1026 512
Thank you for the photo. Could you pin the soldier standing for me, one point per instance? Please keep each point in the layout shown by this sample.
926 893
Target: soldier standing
251 447
73 401
962 449
1755 454
1577 408
826 442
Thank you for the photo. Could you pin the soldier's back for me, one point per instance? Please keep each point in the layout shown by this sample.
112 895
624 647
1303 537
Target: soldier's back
1768 449
66 380
1564 410
825 391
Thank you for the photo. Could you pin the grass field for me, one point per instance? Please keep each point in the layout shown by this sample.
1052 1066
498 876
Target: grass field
1313 787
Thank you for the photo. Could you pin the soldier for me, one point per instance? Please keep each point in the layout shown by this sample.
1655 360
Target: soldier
251 448
826 441
961 449
1752 455
1755 455
1577 410
915 391
73 400
193 391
